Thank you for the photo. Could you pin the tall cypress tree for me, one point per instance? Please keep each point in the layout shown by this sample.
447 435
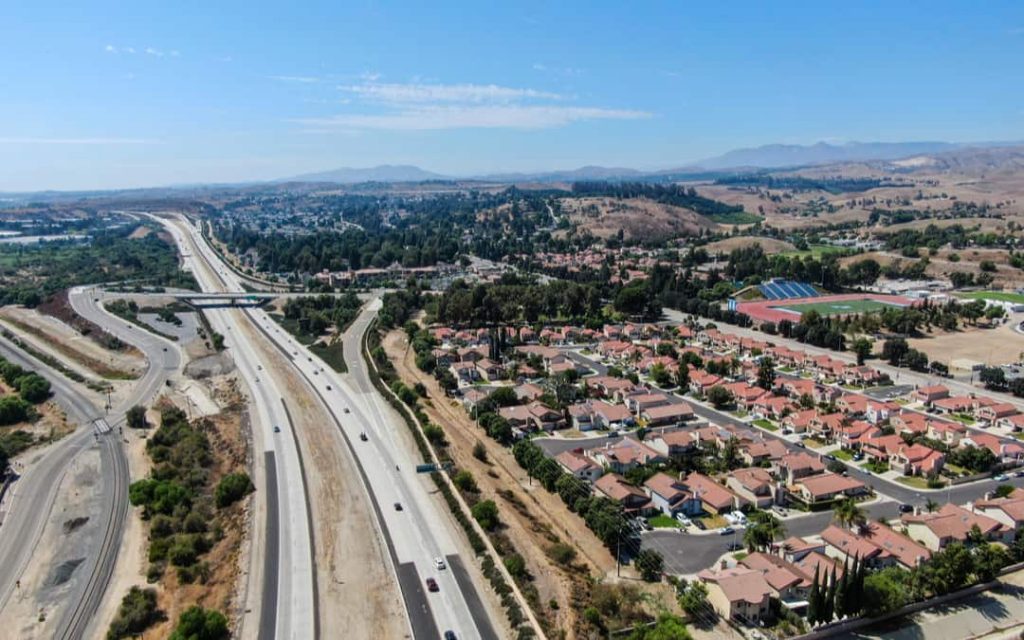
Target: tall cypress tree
843 590
830 598
813 600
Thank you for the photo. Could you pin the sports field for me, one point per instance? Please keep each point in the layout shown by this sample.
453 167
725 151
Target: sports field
839 307
1002 296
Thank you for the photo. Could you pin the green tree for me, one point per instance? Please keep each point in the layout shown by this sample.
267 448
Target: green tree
34 388
694 600
486 514
197 623
232 488
650 565
516 566
668 627
719 396
884 591
814 599
766 374
862 347
135 417
465 481
847 513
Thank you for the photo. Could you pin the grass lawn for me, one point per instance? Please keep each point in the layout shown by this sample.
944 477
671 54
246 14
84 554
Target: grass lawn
765 424
843 454
839 308
814 443
955 469
1019 435
331 354
960 417
1002 296
786 369
913 481
663 522
875 467
739 555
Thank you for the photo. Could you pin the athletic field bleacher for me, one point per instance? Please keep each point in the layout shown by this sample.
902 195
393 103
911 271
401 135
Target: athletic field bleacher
784 289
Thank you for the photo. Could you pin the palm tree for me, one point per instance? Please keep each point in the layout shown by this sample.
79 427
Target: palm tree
763 530
848 513
931 505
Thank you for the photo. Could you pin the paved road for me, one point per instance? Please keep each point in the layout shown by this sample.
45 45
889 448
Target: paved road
36 489
421 531
293 573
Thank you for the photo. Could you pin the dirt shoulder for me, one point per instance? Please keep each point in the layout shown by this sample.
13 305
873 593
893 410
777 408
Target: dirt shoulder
534 518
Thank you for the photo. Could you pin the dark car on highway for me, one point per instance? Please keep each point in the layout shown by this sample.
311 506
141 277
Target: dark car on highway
432 585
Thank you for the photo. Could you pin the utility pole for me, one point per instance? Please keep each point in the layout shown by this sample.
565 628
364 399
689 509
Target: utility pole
618 547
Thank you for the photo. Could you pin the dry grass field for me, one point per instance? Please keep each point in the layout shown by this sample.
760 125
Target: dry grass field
637 217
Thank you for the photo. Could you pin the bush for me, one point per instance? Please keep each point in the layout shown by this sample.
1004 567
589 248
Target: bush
650 564
485 513
232 488
137 613
135 418
516 566
464 480
34 388
434 434
480 451
197 623
562 553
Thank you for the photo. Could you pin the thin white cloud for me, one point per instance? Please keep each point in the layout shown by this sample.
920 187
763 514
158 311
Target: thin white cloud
559 71
110 48
297 79
149 51
473 117
76 141
416 93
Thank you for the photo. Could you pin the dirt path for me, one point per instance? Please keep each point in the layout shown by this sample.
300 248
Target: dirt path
357 592
537 520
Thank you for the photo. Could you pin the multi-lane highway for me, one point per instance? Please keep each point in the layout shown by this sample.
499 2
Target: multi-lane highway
416 530
288 603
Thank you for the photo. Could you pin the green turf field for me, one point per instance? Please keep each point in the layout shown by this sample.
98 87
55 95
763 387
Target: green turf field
827 308
994 295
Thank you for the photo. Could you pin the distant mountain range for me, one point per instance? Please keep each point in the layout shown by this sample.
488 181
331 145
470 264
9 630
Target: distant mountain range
382 173
771 156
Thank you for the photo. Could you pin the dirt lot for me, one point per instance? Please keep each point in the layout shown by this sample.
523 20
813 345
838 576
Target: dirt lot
51 334
535 519
769 245
636 217
991 346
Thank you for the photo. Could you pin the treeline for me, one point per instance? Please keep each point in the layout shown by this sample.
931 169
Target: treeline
314 315
834 185
513 300
671 194
29 274
752 265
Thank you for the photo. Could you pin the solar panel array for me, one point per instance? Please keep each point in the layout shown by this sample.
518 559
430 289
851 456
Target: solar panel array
785 289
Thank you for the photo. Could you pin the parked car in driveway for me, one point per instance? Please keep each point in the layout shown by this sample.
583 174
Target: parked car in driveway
727 531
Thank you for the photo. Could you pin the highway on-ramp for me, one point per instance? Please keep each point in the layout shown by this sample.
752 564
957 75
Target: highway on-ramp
418 533
36 489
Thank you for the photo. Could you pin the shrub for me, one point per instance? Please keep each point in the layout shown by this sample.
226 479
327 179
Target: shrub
197 623
464 480
232 488
137 613
486 513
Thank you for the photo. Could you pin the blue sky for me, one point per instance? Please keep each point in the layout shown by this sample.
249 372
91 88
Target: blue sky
147 94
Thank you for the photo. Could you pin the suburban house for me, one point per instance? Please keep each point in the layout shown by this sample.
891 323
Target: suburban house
714 497
535 416
670 496
672 443
739 594
994 412
753 484
953 523
615 487
624 455
465 371
575 463
794 466
823 487
667 415
1009 510
928 395
876 544
489 369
